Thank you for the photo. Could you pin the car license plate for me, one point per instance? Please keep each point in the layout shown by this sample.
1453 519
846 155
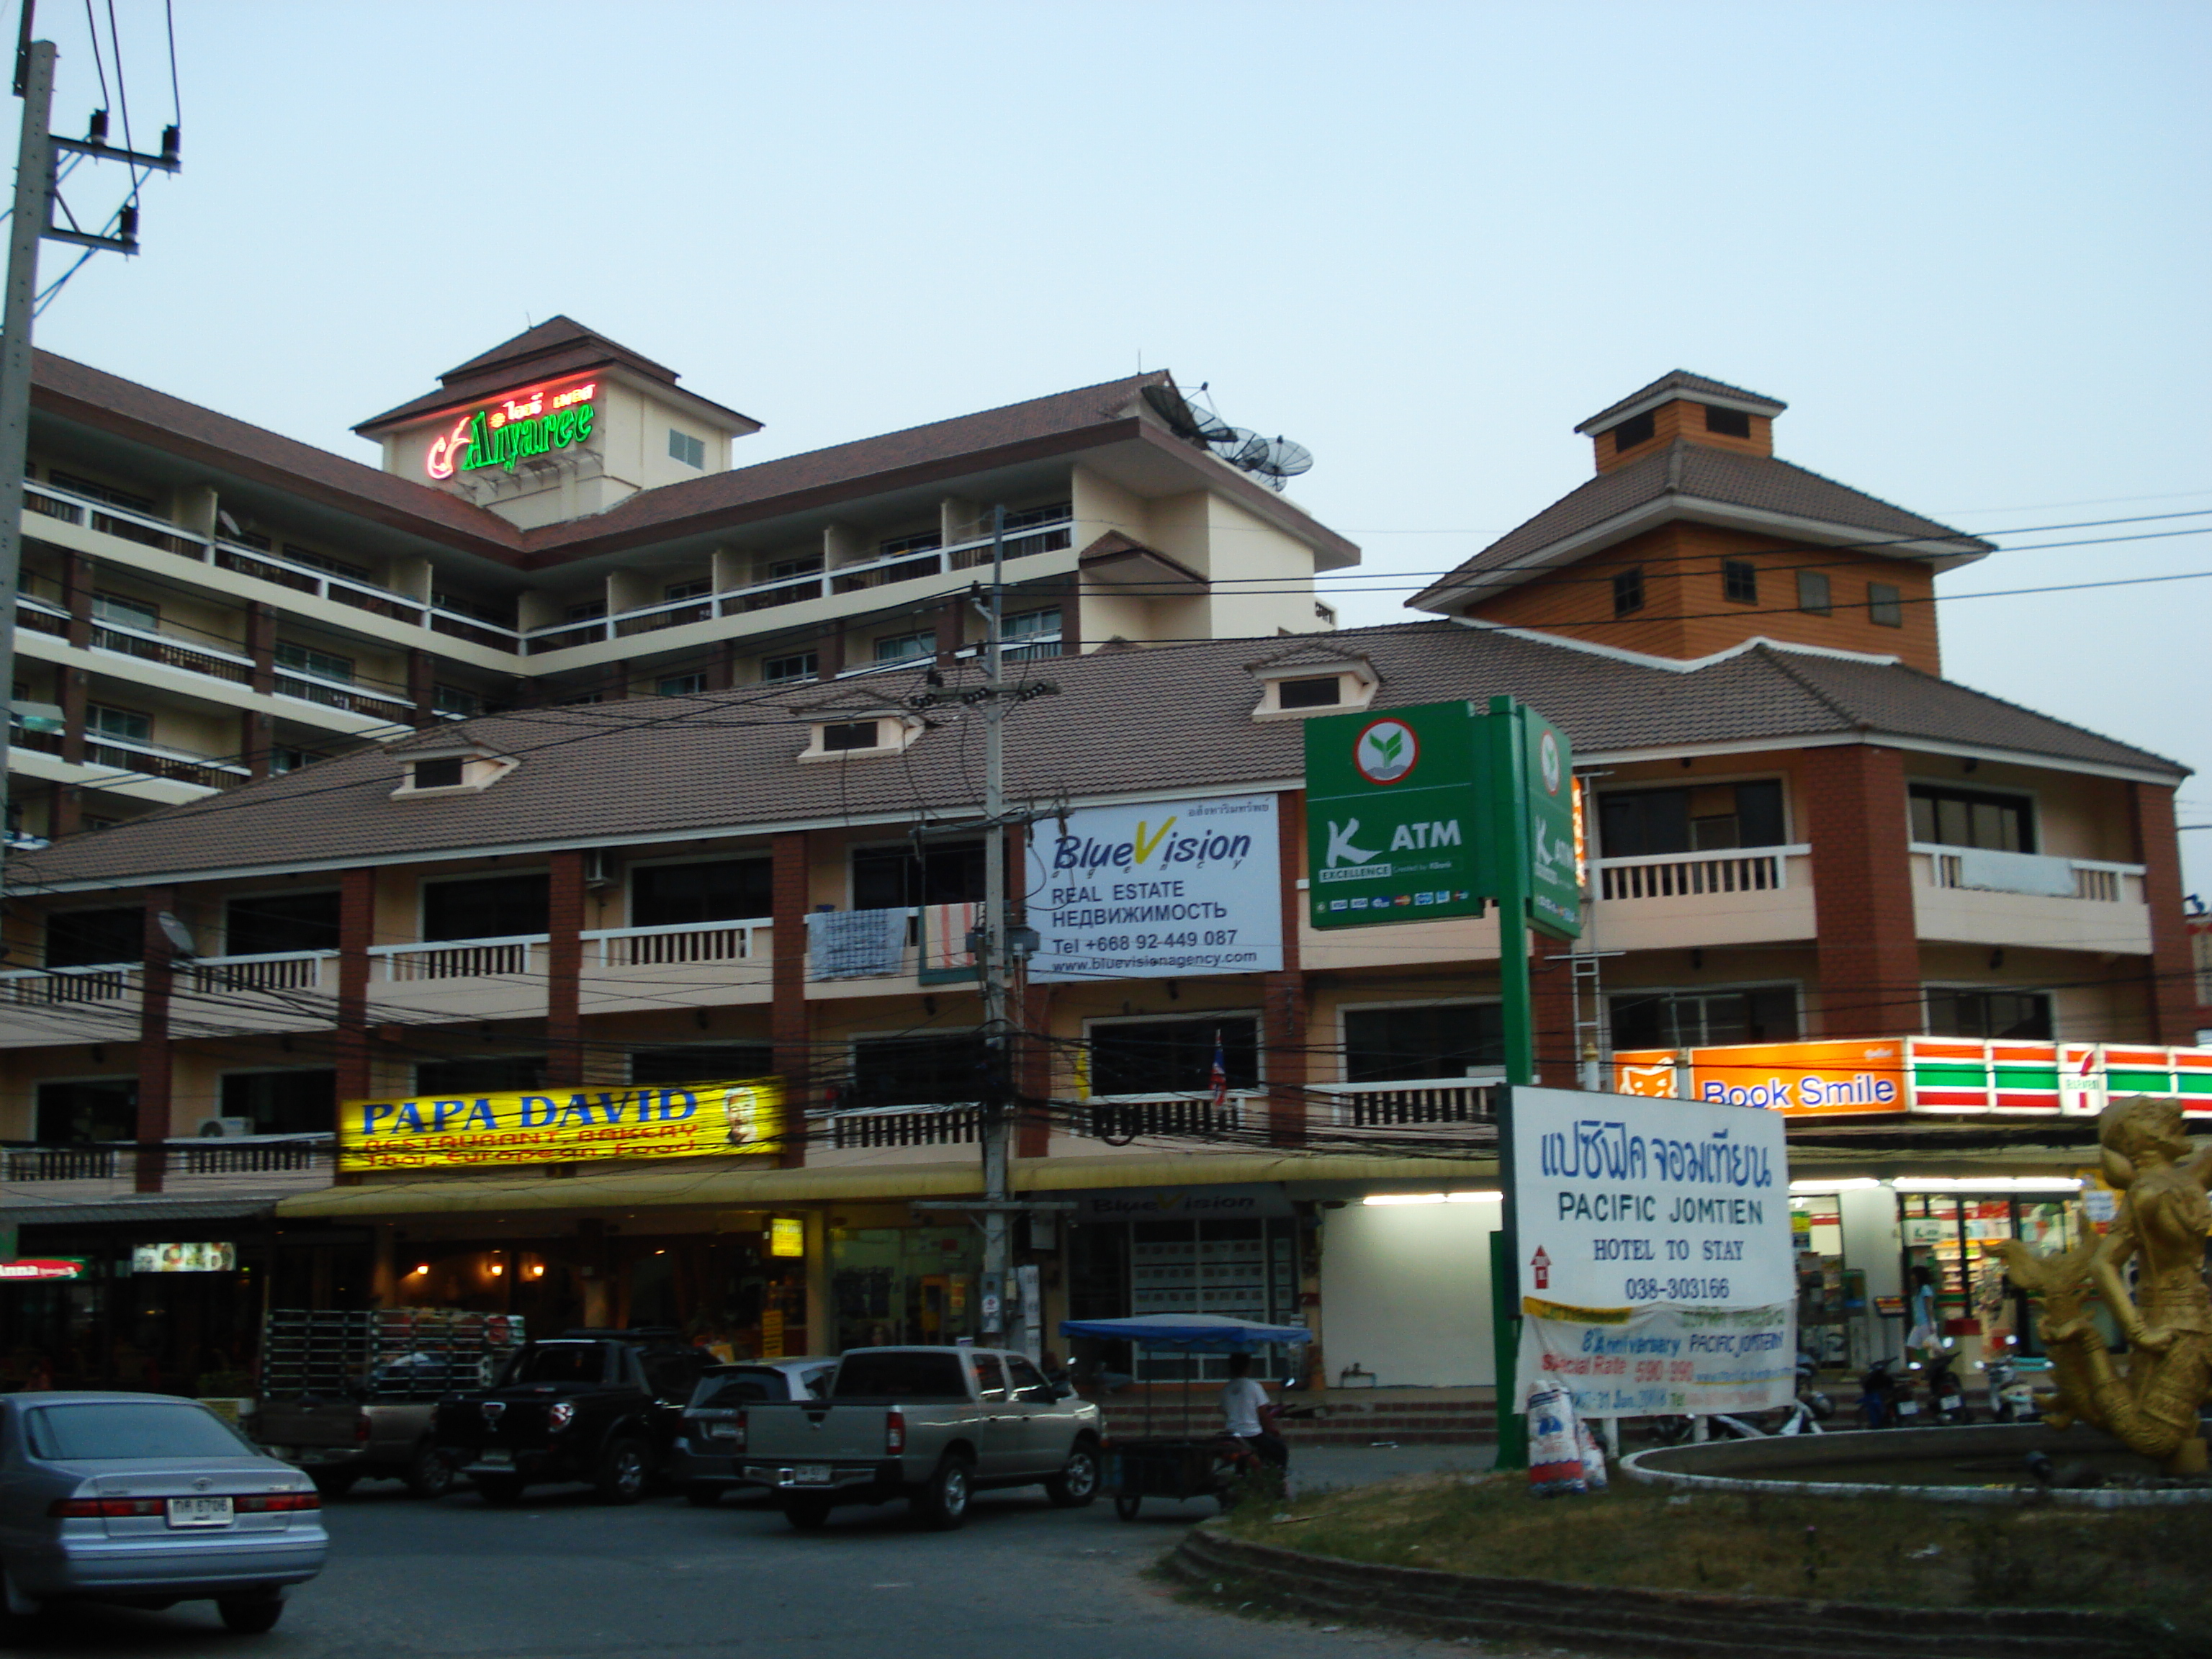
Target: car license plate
1951 1402
498 1457
721 1431
810 1475
199 1512
1908 1408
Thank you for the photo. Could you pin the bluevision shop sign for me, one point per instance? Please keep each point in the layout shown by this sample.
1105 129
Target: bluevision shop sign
1154 891
515 426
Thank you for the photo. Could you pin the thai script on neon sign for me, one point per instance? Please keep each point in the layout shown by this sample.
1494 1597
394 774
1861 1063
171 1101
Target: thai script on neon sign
1594 1150
513 428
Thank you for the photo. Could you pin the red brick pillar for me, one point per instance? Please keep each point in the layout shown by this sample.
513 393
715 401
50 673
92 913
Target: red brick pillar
1033 1074
254 732
422 688
155 1062
261 645
564 972
1071 618
1552 1006
65 815
949 630
77 596
76 697
2171 1002
787 1023
1861 830
356 932
722 666
1282 1010
829 654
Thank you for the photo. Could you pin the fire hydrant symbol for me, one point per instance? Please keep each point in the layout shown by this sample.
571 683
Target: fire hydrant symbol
1542 1266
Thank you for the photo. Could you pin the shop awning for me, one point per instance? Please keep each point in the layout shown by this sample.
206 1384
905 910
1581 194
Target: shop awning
128 1211
675 1187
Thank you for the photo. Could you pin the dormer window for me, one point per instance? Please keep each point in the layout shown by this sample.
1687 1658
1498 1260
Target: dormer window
1636 429
444 772
858 734
1308 679
1727 422
1325 692
451 771
848 735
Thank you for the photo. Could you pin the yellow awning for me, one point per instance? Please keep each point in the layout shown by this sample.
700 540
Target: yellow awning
726 1189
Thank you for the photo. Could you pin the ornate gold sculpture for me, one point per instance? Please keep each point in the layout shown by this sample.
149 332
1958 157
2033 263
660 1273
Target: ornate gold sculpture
2164 1216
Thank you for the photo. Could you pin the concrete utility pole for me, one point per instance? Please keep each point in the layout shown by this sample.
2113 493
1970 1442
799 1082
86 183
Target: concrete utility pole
993 959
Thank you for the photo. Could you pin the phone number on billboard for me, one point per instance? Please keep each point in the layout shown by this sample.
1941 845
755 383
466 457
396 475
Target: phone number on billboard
1069 947
1675 1290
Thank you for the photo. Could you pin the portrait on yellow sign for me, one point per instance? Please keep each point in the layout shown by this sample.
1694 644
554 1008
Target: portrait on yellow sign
562 1125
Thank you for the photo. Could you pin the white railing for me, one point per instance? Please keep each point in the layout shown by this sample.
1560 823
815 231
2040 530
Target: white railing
471 958
1418 1102
1118 1119
110 518
149 645
891 568
2095 880
277 970
151 760
906 1125
1693 875
108 982
309 687
118 1160
677 942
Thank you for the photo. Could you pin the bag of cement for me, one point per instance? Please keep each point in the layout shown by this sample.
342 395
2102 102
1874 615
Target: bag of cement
1555 1459
1593 1450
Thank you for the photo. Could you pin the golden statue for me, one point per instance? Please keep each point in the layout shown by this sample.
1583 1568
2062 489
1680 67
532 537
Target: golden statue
2164 1216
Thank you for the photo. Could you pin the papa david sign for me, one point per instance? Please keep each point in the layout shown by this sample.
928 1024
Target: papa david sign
562 1125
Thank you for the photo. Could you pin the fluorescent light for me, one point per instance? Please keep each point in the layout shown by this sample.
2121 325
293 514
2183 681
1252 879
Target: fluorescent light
1476 1198
1434 1198
1988 1184
1848 1184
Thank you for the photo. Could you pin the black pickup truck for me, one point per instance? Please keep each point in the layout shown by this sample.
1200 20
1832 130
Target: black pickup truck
596 1406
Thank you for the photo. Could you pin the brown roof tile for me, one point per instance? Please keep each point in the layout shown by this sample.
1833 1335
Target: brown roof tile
1682 380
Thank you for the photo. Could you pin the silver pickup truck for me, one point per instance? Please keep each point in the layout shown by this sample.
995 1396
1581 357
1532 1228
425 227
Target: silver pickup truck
932 1426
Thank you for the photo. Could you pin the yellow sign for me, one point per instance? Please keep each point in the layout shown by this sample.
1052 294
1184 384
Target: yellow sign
772 1333
786 1236
562 1125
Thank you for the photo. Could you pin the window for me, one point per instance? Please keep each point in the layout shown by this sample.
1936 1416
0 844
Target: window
893 877
440 772
1988 1015
907 647
95 1109
1972 818
1636 429
85 939
494 1075
916 544
1173 1056
897 1374
499 615
1813 592
265 924
844 735
726 890
703 1062
125 724
1627 590
1696 1020
682 685
586 610
1739 582
1031 516
289 760
99 492
1323 692
452 700
126 613
1031 634
123 1431
329 566
990 1378
781 570
1395 1045
483 907
776 670
309 660
1885 606
921 1071
1729 423
682 447
1634 823
303 1102
696 589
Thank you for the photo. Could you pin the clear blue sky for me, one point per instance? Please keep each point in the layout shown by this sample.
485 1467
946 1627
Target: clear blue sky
1967 243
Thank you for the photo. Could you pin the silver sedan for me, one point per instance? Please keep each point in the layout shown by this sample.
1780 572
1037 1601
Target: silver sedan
147 1500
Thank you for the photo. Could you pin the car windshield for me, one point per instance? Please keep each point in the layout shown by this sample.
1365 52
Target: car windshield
131 1429
558 1362
892 1373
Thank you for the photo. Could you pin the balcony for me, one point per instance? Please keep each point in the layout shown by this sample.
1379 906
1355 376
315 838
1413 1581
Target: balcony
42 1007
1106 1125
171 651
147 760
1741 895
1967 895
638 969
307 687
108 519
252 1167
1455 1109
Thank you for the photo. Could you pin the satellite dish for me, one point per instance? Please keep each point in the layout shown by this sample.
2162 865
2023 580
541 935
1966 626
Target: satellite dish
178 935
1280 458
1240 447
1185 419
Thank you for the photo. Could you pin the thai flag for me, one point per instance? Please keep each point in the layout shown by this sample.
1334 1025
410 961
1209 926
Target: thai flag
1220 1078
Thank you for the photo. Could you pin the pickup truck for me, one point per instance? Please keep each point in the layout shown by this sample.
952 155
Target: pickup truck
349 1396
596 1406
932 1426
706 1460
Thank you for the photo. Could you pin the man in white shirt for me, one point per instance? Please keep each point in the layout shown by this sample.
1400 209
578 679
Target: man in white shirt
1247 1414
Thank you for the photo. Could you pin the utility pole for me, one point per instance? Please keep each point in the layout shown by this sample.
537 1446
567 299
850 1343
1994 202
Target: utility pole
33 222
998 1121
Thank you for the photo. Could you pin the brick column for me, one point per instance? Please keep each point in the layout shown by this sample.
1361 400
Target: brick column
1551 1003
74 696
1071 618
77 596
261 645
422 688
2171 996
1033 1072
1283 1009
564 969
829 654
254 735
722 666
155 1062
1860 828
788 1026
949 631
66 814
356 932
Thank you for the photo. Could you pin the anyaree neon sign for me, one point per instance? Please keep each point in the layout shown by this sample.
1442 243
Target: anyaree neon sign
513 428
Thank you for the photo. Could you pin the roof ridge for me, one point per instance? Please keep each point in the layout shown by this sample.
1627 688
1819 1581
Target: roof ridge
1834 705
1882 500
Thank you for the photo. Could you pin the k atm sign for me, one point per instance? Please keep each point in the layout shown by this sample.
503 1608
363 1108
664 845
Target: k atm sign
1396 824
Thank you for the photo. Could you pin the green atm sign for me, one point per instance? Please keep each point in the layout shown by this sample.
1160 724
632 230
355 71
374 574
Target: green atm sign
1547 763
1394 821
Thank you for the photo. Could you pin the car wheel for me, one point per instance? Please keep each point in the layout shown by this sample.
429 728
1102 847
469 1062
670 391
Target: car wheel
429 1474
334 1483
499 1489
809 1513
1125 1508
943 1504
620 1477
1077 1483
700 1496
250 1615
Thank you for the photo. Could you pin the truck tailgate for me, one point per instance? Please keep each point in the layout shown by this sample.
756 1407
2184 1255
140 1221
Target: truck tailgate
816 1432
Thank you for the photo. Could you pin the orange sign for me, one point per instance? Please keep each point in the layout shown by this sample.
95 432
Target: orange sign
1803 1080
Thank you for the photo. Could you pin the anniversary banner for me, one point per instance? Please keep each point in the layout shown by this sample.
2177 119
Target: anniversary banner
562 1125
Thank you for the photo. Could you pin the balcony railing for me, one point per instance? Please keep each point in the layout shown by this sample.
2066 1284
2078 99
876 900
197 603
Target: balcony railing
112 1160
472 958
1420 1104
2094 880
283 970
39 616
108 519
792 590
149 760
338 693
678 942
47 987
1695 875
170 652
906 1125
1118 1119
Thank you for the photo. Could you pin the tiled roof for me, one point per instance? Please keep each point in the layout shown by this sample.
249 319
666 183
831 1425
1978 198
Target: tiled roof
1692 473
1682 381
665 768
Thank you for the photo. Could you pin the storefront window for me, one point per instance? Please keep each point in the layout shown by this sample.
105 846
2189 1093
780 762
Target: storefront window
902 1284
1824 1283
1954 1278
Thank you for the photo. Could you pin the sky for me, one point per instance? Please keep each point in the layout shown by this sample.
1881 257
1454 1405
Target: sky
1966 243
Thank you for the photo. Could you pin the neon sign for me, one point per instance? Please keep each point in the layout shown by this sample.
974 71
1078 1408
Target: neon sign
513 428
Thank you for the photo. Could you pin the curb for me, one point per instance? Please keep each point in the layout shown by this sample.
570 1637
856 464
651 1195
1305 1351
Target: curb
1649 1623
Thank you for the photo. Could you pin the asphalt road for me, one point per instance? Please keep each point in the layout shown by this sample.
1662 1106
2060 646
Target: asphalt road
562 1577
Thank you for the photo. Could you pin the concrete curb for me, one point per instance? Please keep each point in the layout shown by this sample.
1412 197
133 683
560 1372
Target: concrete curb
1647 1623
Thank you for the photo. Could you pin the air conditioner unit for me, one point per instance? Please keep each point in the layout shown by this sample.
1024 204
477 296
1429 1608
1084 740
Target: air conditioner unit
596 872
215 1129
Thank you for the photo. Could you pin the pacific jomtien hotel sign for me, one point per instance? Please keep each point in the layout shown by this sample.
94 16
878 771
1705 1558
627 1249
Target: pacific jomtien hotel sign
514 427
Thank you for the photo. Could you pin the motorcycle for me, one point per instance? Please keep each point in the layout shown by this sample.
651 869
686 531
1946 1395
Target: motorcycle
1945 1397
1885 1399
2012 1396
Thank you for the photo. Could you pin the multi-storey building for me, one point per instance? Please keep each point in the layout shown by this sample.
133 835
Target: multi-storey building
1797 834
